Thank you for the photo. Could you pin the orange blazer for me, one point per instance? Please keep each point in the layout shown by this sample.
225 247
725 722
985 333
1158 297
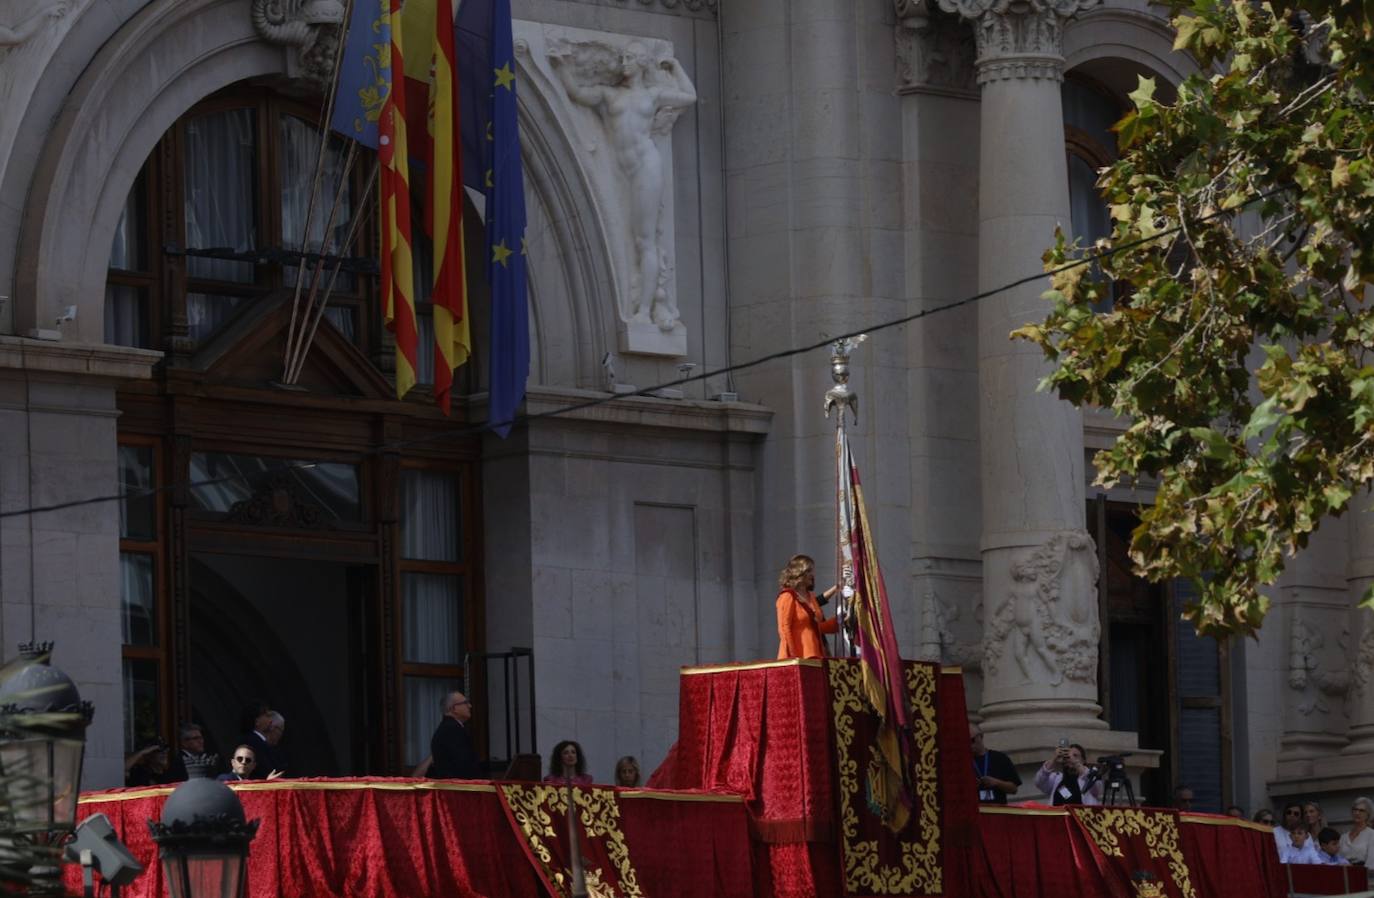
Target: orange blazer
800 625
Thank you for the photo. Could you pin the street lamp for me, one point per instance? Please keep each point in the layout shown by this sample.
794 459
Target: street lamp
42 741
203 837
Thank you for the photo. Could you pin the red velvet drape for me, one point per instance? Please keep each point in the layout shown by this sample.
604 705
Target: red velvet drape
423 839
1029 852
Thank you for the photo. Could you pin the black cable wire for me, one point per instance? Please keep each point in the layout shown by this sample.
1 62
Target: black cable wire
1089 258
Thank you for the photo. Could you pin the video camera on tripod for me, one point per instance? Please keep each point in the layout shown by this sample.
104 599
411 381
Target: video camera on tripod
1111 770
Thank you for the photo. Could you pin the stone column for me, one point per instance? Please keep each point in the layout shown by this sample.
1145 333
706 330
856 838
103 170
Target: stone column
1041 626
1359 574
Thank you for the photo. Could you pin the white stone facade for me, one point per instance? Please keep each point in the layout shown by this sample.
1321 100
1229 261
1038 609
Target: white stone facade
840 163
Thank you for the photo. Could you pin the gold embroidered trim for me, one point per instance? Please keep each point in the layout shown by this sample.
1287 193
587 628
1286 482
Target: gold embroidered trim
1023 812
751 665
919 871
300 786
535 809
1103 825
1210 820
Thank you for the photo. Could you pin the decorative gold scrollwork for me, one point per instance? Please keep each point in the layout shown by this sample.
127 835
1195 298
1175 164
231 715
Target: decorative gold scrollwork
1159 829
536 808
920 870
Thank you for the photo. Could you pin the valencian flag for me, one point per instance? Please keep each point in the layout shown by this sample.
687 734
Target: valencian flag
419 121
888 783
491 147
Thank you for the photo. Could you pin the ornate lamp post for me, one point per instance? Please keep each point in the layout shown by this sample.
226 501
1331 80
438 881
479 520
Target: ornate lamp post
42 743
203 838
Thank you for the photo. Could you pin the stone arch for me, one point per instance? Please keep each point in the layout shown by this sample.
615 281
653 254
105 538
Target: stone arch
153 69
571 270
1115 43
172 54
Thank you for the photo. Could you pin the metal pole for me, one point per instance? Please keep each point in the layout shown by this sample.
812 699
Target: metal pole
838 398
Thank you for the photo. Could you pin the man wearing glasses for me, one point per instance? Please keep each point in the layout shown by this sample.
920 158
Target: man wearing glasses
451 746
242 764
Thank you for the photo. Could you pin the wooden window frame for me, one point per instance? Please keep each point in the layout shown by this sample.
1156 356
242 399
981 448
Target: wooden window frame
157 549
466 569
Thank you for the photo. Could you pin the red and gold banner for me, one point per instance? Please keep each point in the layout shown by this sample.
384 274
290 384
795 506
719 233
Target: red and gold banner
875 860
539 814
1138 851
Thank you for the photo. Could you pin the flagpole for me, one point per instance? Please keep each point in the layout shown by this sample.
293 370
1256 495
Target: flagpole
838 398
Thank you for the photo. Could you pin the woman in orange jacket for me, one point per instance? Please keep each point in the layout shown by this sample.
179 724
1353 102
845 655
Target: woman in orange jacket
800 618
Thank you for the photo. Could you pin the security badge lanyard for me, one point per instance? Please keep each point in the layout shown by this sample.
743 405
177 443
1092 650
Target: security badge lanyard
983 794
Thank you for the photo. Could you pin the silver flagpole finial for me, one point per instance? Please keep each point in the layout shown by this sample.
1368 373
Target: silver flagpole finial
841 395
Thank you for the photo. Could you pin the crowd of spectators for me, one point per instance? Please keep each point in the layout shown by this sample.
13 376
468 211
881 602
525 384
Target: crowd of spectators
1302 835
157 764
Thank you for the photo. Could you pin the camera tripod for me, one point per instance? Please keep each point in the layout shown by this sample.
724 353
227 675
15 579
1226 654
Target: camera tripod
1112 771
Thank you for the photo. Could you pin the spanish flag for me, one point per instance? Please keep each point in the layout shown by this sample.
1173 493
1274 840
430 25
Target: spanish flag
444 213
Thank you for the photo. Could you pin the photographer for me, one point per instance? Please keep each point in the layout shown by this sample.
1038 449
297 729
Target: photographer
1066 777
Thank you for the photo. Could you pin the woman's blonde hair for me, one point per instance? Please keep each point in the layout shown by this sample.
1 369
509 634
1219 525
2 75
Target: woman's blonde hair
795 572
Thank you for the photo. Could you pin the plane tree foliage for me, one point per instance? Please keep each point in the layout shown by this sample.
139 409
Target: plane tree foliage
1237 340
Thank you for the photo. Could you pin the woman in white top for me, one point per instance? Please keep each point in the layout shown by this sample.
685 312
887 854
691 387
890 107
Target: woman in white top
1067 779
1357 846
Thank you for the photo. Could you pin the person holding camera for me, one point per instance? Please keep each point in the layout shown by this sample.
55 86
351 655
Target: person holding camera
1066 777
801 622
149 766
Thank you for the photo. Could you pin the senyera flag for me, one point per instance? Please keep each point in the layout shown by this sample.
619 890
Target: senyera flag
889 783
412 44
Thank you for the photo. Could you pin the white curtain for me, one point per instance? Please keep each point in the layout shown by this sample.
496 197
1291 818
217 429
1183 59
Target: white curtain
221 157
136 598
126 250
423 697
429 516
433 618
124 323
206 313
300 142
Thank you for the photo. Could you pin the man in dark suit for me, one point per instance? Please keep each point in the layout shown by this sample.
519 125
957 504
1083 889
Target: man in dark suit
451 746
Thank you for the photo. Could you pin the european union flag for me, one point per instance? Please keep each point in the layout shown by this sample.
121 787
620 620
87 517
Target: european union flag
491 163
364 74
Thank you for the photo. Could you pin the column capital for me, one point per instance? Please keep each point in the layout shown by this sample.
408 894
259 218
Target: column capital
1018 39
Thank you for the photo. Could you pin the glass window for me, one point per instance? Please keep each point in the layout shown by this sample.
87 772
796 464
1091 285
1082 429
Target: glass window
345 321
126 319
429 516
137 514
433 613
207 313
276 490
138 598
142 720
221 192
423 697
299 146
126 250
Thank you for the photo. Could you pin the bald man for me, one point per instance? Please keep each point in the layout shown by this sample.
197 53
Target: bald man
451 746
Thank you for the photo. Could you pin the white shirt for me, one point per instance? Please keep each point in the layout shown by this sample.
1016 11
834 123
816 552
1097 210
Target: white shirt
1047 780
1307 854
1359 850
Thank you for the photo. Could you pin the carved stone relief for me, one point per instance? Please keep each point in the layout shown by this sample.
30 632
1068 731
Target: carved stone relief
935 54
313 27
1048 623
29 22
619 98
674 5
1311 674
1362 671
944 628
